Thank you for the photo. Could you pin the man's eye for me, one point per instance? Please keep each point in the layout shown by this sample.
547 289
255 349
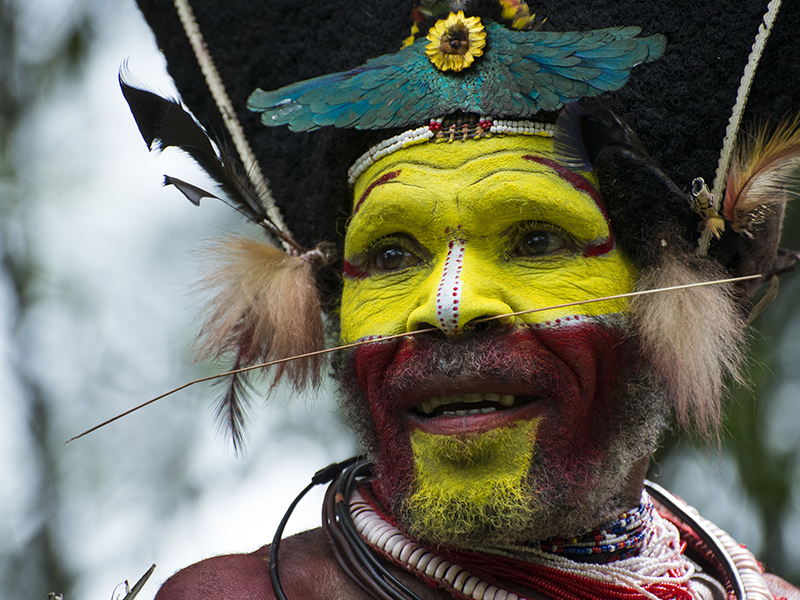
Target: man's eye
394 258
539 243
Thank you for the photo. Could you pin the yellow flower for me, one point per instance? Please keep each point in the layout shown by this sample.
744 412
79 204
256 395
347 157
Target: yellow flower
455 42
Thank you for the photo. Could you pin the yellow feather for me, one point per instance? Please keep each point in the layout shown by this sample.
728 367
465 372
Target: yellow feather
765 169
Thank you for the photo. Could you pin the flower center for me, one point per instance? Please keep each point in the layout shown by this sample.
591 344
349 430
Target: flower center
455 40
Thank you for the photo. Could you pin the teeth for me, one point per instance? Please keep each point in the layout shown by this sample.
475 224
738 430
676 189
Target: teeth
474 411
429 405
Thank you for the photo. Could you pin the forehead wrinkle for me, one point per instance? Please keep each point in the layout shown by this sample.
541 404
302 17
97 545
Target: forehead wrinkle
454 160
392 174
394 214
498 170
448 162
387 184
514 195
409 169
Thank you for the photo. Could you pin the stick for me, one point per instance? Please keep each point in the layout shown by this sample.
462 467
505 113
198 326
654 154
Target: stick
409 334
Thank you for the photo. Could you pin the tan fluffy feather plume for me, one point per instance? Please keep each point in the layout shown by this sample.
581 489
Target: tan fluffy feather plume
265 306
765 173
693 338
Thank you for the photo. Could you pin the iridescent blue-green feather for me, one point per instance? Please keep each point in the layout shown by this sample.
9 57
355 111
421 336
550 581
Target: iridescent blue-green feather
520 74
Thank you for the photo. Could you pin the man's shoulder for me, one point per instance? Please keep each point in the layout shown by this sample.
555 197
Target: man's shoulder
307 568
232 576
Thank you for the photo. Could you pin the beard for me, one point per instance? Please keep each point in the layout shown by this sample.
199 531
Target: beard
559 476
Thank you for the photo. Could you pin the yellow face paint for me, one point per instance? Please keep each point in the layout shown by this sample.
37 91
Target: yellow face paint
444 234
464 486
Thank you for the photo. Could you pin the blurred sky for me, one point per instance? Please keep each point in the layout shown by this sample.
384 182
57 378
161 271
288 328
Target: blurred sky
116 257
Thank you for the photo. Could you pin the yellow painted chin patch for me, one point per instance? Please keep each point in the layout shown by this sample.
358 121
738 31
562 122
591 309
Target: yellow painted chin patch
467 486
446 233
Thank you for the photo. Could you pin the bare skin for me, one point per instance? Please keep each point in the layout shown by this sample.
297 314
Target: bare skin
308 570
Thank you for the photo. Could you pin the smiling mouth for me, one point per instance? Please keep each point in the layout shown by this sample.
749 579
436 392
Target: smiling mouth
461 405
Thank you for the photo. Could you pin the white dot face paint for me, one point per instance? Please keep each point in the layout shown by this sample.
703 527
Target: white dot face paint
459 212
448 296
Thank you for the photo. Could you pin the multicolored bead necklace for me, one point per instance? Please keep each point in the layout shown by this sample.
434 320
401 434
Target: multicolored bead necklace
619 539
361 532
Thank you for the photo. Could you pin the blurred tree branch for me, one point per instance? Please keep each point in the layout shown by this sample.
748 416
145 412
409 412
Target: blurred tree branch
37 567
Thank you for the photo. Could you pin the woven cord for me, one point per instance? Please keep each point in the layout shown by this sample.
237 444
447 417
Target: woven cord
223 102
764 30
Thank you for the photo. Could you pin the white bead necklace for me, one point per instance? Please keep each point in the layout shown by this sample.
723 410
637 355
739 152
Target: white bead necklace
660 560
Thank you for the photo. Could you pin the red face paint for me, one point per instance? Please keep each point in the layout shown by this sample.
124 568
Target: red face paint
380 181
581 184
569 373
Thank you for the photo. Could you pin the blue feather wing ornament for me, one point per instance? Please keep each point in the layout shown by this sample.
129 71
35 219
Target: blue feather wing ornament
520 74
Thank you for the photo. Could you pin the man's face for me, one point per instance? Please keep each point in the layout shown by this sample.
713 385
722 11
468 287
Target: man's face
485 429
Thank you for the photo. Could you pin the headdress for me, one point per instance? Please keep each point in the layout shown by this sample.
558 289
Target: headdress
335 74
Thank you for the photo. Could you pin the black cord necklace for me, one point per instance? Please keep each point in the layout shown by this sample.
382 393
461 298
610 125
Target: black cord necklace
360 563
322 476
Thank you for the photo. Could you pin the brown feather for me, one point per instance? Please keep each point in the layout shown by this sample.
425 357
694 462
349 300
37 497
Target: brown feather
763 176
232 407
265 307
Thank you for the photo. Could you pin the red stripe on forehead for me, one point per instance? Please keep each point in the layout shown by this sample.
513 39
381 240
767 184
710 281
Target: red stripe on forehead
581 184
386 177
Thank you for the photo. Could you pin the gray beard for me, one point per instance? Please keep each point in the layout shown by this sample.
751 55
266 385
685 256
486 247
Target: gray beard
559 506
645 411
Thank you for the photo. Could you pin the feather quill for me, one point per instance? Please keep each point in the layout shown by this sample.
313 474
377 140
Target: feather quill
765 173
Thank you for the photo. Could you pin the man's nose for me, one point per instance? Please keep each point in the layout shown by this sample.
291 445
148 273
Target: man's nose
460 293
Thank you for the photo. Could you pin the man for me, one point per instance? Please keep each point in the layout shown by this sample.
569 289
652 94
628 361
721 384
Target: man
509 422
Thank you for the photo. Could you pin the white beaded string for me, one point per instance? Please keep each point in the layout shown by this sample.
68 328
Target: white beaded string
386 147
755 587
659 561
522 128
428 132
393 542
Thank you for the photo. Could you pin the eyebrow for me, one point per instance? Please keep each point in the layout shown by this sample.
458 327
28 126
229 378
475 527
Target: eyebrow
577 181
581 184
385 178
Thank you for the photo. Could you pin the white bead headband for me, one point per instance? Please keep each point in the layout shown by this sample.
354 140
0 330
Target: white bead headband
442 130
